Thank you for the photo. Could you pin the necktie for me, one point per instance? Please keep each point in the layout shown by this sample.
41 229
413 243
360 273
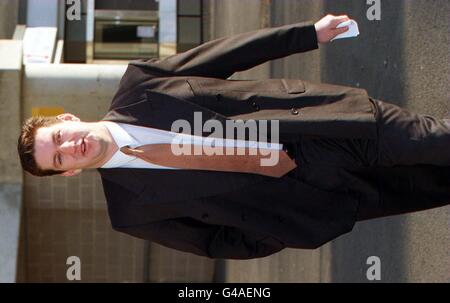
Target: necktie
250 162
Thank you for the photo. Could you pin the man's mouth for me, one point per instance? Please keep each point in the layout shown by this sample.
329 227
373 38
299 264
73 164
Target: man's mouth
83 147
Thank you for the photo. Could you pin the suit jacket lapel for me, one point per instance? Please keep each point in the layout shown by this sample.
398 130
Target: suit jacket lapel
159 111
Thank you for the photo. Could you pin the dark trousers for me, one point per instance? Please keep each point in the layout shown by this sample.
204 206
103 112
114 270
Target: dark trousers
405 169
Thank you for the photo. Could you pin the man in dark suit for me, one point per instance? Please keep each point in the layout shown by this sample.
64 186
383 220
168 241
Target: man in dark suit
347 157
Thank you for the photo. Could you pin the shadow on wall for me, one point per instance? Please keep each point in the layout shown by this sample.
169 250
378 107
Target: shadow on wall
374 62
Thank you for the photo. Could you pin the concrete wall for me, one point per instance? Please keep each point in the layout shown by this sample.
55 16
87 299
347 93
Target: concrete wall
82 89
10 172
9 10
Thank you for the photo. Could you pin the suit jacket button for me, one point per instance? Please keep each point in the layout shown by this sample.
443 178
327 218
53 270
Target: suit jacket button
294 111
205 216
255 106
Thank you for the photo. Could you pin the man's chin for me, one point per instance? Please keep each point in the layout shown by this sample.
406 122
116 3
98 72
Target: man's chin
95 164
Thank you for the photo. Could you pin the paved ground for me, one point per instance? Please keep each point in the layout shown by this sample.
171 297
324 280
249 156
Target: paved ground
403 59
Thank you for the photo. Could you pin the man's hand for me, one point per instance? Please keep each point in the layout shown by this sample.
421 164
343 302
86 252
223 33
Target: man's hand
326 27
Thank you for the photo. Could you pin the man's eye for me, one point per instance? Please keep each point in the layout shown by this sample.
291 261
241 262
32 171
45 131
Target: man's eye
60 159
58 137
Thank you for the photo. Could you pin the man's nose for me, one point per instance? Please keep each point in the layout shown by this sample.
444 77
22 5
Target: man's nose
68 147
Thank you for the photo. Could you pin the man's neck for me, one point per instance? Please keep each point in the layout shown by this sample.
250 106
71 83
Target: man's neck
112 146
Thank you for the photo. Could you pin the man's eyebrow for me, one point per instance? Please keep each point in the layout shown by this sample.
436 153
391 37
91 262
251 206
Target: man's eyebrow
55 162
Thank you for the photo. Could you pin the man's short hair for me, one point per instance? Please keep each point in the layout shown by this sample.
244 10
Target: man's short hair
26 142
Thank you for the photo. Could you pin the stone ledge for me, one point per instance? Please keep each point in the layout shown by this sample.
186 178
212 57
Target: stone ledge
11 54
11 176
10 109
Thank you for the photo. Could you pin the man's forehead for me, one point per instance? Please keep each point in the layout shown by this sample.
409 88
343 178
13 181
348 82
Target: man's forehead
43 133
42 147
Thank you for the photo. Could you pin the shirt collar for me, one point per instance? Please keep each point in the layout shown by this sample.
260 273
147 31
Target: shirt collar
122 138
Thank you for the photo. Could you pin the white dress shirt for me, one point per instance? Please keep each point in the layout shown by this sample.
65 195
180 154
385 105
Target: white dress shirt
134 136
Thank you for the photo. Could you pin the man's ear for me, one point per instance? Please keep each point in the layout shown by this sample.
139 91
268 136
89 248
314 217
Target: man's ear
71 173
68 117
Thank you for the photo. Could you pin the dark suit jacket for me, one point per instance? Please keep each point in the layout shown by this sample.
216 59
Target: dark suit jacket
222 214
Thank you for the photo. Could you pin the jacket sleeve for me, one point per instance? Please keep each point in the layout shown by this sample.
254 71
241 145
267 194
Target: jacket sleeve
213 241
222 57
